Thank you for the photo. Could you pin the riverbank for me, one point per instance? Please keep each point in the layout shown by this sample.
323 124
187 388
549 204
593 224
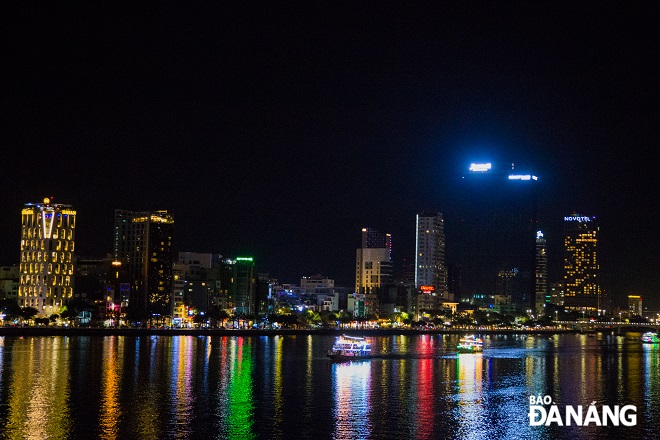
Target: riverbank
92 331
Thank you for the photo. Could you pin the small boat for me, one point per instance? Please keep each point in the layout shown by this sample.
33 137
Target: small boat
348 348
470 344
650 338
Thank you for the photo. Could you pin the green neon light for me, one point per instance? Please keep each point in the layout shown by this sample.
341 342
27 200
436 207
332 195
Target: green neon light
244 259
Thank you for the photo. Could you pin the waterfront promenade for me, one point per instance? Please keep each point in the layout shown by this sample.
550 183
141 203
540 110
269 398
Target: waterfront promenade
110 331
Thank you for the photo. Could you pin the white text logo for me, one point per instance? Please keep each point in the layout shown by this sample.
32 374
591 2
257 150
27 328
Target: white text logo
604 415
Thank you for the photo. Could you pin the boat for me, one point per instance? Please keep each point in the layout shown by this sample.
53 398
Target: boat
650 338
348 348
470 344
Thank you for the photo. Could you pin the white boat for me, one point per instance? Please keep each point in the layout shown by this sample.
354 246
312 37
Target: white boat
470 344
350 348
650 338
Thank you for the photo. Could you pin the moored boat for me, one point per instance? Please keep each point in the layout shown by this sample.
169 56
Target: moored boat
350 348
470 344
650 338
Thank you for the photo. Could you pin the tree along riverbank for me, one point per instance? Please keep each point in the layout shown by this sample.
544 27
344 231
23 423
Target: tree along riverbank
94 331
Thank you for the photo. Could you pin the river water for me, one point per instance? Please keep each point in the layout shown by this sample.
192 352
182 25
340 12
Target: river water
284 387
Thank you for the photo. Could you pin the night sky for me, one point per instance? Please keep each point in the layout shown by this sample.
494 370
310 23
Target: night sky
280 131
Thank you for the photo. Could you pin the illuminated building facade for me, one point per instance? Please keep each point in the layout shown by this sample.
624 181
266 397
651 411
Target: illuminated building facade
557 294
581 282
635 305
142 243
47 262
541 273
373 268
430 269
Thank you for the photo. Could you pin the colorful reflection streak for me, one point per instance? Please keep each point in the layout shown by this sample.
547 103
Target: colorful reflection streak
471 411
235 413
352 385
651 383
38 397
278 387
181 389
145 408
425 396
110 408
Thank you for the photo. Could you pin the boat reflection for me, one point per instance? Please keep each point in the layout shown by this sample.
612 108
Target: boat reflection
471 413
352 385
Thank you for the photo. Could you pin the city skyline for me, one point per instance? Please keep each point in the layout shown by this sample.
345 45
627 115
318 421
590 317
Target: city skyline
128 233
282 139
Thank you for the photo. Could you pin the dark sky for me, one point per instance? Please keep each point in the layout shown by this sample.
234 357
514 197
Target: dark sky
279 131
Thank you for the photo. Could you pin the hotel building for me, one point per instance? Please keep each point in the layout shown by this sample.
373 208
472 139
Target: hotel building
47 262
581 280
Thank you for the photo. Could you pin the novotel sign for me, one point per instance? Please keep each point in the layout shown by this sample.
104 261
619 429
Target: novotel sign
522 177
576 218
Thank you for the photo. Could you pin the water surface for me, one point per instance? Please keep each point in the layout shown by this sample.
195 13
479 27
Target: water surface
284 387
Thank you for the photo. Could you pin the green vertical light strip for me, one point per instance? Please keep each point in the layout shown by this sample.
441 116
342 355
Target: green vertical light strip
240 405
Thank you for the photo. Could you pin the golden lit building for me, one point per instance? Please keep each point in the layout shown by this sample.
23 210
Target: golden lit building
581 281
47 263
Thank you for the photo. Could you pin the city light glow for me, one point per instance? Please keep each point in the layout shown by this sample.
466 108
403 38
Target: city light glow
480 167
522 177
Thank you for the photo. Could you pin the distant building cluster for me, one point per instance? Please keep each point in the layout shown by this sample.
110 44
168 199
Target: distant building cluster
142 280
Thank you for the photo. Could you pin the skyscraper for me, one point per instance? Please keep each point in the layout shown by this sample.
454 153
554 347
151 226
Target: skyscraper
496 231
142 243
541 273
47 263
430 269
373 270
581 282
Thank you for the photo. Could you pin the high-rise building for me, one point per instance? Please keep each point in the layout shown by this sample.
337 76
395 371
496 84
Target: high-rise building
143 243
430 269
373 269
557 294
635 305
47 263
581 281
541 273
243 294
374 239
496 228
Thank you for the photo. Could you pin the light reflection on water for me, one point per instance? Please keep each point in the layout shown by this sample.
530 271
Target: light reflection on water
280 387
351 382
